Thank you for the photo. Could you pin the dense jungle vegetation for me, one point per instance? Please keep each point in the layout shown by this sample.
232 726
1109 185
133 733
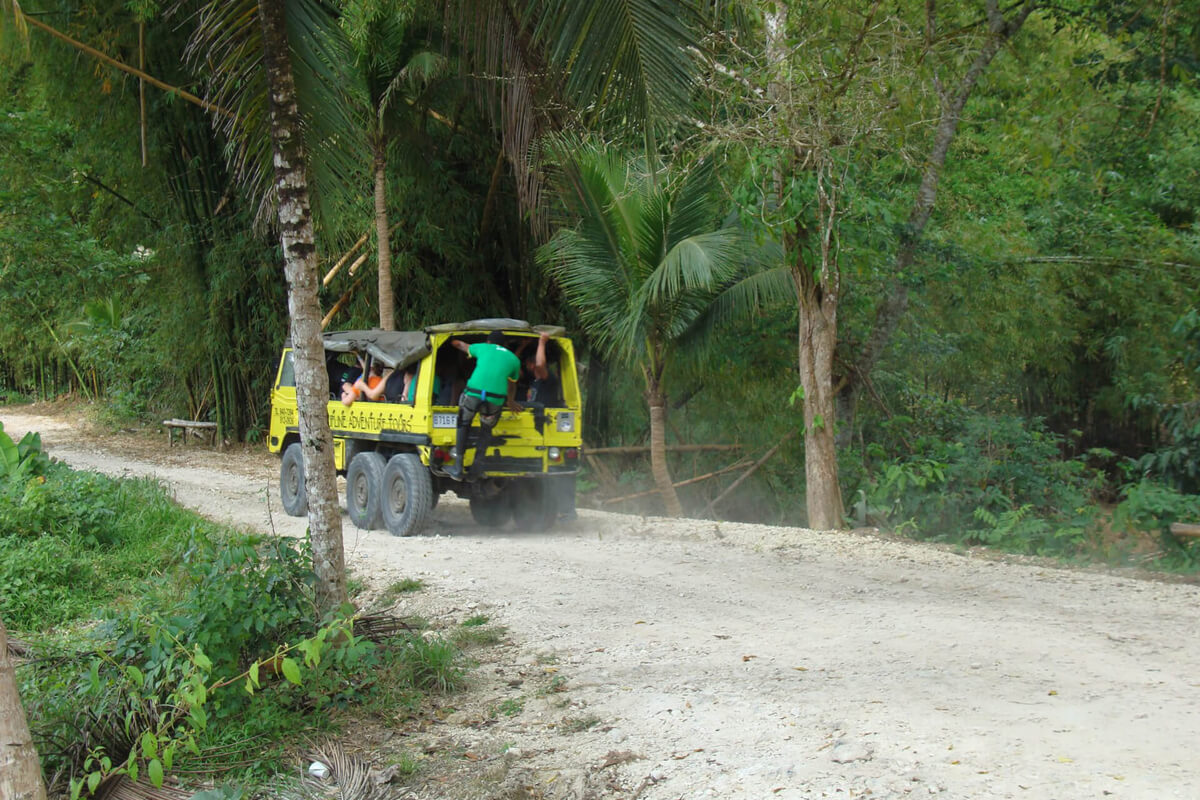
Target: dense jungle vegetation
1002 349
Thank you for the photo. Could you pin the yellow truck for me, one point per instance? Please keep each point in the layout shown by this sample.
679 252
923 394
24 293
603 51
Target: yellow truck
395 453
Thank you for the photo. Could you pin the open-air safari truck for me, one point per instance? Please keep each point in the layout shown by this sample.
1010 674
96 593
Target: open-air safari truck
395 453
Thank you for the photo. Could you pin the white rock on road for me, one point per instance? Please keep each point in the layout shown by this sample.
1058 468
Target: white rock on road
749 661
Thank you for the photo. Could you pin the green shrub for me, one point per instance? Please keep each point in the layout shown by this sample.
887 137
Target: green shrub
1004 472
1176 461
1152 506
71 542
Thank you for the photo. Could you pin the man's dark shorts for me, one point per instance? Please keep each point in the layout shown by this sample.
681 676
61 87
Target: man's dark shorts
470 404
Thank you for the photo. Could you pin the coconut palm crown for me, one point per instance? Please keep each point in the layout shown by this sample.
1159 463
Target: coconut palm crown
644 263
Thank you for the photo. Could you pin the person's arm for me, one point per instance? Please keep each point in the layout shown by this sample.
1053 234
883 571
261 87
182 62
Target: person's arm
459 344
540 370
511 403
380 387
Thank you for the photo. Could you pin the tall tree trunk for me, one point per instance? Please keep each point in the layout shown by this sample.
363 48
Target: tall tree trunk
817 288
20 770
300 267
658 443
894 306
818 339
387 316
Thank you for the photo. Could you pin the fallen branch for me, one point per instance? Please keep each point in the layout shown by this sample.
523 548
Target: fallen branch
697 479
713 503
137 73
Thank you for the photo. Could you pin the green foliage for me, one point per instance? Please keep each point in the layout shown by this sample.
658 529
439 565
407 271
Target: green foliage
1177 460
22 460
1003 472
1151 506
219 654
646 258
405 586
431 665
73 541
228 597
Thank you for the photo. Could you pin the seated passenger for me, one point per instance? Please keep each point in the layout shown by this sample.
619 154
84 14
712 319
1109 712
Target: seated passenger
372 388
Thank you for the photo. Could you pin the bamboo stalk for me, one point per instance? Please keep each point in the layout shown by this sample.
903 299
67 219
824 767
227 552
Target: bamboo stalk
602 472
672 448
1185 529
354 249
191 98
340 303
142 89
697 479
358 262
345 257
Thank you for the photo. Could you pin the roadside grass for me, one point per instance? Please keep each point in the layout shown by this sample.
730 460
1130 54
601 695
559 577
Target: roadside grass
474 631
72 542
170 647
405 586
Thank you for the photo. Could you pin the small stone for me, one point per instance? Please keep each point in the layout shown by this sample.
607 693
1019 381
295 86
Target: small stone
617 735
847 752
514 753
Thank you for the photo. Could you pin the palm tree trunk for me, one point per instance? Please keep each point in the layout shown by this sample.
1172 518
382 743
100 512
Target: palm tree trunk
818 339
387 318
20 770
658 445
300 267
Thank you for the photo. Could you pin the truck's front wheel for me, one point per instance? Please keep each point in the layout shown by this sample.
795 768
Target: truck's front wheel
406 494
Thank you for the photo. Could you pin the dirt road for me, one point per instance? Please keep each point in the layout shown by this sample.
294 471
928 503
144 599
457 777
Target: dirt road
661 659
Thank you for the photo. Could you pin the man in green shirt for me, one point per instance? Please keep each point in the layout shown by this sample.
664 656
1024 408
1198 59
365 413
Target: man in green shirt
492 385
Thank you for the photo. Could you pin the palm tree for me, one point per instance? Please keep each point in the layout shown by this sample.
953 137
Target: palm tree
300 268
389 75
643 265
299 139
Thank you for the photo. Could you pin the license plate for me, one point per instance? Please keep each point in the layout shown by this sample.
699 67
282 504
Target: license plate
445 420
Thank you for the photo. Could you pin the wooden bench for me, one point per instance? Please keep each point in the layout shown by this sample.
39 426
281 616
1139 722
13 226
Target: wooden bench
200 430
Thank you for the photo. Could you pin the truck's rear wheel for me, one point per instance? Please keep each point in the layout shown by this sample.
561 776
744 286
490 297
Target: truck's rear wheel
492 512
364 482
533 505
406 494
291 481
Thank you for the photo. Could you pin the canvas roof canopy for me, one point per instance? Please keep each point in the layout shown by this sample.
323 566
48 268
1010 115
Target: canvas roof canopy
398 349
394 349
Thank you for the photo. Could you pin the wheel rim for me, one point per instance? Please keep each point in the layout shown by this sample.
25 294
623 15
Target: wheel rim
292 482
397 496
361 490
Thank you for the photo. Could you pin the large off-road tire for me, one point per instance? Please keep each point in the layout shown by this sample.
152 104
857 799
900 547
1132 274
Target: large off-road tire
291 481
407 494
533 506
492 512
364 487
